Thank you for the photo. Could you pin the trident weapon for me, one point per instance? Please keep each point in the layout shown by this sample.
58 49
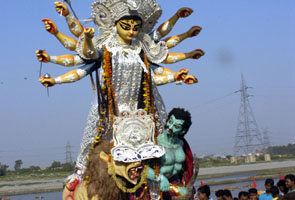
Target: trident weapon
69 3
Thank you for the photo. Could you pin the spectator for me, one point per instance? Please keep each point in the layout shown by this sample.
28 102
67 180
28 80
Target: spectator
267 195
290 182
219 194
282 187
274 190
253 194
243 195
204 192
227 195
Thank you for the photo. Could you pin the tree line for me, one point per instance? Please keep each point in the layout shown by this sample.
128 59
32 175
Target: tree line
55 166
281 150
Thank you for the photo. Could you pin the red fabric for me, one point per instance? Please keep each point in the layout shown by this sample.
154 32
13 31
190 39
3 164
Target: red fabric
189 161
254 182
281 177
202 184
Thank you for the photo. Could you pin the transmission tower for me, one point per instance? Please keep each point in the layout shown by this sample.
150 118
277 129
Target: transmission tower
266 141
68 153
248 137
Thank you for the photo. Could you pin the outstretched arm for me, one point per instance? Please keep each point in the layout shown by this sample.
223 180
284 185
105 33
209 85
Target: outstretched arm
74 25
176 57
69 77
164 75
68 42
64 60
165 28
175 40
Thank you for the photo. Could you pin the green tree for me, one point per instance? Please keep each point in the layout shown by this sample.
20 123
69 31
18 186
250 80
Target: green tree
68 167
18 164
55 165
3 169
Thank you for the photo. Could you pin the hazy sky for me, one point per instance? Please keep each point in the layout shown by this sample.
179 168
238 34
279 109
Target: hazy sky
256 38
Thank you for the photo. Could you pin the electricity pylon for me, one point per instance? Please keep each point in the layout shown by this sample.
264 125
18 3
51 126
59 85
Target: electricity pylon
248 137
68 153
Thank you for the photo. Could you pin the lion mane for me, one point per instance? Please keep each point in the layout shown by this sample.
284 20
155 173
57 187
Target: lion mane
100 182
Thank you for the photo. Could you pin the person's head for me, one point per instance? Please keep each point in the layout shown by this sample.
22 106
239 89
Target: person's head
128 28
204 192
243 195
274 190
253 194
282 186
290 181
219 194
179 121
268 184
227 195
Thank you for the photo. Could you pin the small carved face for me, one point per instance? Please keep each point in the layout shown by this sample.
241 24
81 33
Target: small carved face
128 29
173 126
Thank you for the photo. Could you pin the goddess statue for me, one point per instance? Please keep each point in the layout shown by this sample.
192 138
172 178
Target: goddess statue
125 57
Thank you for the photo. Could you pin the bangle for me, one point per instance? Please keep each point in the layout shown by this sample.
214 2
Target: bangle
170 78
58 80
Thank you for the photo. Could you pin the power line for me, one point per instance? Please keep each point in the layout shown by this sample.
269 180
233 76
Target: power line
212 100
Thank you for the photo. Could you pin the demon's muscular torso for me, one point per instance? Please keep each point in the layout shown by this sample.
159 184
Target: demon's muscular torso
173 162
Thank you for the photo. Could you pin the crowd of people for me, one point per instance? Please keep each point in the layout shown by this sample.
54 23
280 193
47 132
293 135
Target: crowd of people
283 190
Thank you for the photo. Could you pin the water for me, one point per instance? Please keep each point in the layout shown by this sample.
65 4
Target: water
237 176
46 196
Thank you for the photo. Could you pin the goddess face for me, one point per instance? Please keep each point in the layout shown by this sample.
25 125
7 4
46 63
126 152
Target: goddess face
128 29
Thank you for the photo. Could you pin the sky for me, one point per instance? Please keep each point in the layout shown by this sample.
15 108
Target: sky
253 38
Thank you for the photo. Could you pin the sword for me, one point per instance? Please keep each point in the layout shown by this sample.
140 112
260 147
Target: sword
69 3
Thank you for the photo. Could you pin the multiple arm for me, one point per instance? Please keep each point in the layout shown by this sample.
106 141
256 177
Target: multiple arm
161 76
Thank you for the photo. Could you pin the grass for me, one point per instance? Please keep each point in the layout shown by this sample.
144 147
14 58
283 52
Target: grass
34 176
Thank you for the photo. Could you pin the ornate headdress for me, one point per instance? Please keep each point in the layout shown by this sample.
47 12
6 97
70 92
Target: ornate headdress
133 134
107 12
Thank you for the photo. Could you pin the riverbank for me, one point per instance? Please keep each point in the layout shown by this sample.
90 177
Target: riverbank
27 185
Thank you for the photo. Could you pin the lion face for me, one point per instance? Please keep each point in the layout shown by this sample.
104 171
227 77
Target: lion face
130 171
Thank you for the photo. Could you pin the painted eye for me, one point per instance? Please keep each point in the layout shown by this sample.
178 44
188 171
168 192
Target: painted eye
170 121
176 126
125 27
135 29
